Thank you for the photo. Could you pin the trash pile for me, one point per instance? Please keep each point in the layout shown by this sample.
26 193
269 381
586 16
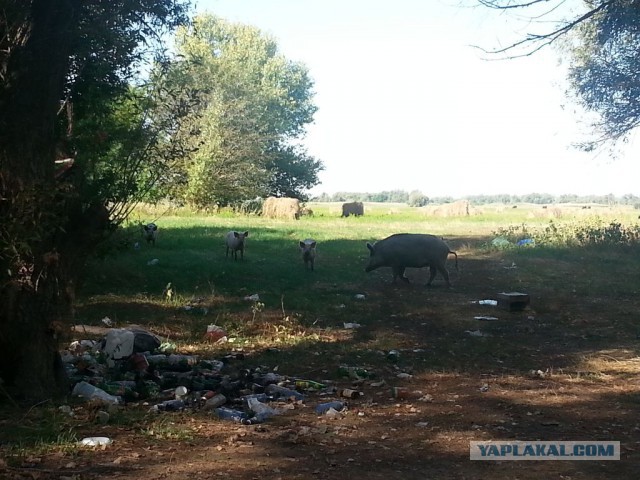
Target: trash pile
134 366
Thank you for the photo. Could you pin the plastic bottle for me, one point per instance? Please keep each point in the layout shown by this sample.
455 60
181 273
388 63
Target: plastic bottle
91 392
260 409
261 397
121 388
254 420
309 385
216 365
357 373
230 414
270 378
182 361
215 402
157 360
323 408
282 392
169 406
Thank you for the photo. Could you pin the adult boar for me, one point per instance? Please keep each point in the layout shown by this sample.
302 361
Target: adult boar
308 249
352 208
235 243
414 250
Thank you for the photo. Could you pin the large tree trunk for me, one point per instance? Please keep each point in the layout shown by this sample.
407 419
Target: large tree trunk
35 40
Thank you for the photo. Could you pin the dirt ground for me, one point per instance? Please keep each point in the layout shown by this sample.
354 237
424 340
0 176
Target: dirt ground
565 368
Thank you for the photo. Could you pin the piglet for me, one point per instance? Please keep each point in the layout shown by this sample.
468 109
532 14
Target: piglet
308 248
151 233
235 243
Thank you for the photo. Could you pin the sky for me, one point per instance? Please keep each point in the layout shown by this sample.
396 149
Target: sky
406 102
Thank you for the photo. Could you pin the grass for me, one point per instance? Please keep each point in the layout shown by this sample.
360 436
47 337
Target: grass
209 288
38 430
584 328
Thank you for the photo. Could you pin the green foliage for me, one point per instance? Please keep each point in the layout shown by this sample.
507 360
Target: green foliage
601 40
604 69
166 429
292 172
417 199
613 233
122 136
513 233
251 207
126 144
255 104
41 430
587 233
66 69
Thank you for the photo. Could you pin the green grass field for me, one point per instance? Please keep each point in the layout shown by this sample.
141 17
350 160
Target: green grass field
191 256
580 332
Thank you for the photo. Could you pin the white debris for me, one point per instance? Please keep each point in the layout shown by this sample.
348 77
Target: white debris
488 302
95 441
351 325
476 333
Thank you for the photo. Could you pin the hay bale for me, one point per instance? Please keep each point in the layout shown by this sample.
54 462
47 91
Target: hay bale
287 208
460 208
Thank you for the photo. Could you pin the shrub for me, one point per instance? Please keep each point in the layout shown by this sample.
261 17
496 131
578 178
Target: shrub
586 233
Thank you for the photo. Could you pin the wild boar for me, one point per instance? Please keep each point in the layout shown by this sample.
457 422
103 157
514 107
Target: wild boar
308 248
352 208
150 233
235 242
414 250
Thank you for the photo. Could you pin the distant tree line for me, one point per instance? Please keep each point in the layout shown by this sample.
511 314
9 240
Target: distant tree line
416 198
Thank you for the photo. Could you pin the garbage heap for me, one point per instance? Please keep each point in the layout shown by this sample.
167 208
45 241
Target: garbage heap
133 365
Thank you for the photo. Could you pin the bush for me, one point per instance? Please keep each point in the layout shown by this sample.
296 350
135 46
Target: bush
251 207
588 233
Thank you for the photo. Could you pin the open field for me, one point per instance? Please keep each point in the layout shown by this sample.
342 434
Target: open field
565 368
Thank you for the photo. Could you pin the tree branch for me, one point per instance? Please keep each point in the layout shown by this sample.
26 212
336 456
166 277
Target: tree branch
495 4
538 41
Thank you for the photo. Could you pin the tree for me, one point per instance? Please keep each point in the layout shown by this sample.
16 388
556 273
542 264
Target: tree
256 105
602 44
417 199
292 172
60 62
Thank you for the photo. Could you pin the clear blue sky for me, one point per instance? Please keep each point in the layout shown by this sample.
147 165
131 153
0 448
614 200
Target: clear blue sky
405 102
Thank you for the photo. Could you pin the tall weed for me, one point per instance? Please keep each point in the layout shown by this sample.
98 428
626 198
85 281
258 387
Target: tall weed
588 232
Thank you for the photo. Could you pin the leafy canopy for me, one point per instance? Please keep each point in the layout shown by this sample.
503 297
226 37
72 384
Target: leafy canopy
254 109
601 40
